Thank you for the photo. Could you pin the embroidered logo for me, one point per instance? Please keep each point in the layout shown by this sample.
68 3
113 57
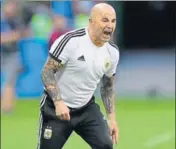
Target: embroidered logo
81 58
48 133
106 64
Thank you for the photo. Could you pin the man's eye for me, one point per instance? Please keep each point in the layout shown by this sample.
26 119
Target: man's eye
113 21
105 20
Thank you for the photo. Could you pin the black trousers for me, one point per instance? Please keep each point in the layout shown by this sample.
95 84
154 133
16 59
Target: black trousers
88 122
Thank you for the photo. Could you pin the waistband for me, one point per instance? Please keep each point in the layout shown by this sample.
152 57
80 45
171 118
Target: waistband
92 100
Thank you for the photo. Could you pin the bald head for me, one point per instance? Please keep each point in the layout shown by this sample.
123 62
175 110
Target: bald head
102 22
101 8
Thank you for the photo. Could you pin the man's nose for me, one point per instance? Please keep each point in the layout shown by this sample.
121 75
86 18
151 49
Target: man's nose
110 25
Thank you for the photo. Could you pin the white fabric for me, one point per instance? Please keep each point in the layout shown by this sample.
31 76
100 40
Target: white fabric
79 77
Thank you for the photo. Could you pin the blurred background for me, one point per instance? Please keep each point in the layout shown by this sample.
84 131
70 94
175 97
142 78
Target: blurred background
145 85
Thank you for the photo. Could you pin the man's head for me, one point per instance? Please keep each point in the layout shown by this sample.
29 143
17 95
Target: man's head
59 22
102 22
10 9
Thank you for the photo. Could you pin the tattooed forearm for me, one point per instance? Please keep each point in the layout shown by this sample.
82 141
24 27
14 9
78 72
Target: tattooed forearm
107 93
48 78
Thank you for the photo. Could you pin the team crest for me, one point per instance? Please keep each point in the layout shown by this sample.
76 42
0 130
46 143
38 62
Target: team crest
48 133
106 64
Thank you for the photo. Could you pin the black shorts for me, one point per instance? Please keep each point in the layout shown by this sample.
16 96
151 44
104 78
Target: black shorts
88 122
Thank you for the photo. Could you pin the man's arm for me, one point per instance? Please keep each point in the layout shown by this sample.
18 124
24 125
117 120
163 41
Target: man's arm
107 95
10 37
48 78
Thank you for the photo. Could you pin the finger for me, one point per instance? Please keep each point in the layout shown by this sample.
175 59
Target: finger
113 139
64 116
117 138
110 132
58 115
61 117
67 116
111 135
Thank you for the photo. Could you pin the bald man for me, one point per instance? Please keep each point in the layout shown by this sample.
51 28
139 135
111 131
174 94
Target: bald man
78 61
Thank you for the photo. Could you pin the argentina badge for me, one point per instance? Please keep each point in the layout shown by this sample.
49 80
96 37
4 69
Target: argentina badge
106 64
48 133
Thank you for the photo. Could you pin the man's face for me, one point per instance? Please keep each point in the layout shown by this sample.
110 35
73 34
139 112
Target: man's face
104 25
10 9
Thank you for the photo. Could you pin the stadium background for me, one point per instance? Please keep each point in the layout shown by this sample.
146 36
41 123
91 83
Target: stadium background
145 86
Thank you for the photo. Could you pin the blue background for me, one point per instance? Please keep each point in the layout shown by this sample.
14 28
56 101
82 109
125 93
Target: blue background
33 54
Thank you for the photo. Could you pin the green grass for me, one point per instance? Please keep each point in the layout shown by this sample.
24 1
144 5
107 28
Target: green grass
143 124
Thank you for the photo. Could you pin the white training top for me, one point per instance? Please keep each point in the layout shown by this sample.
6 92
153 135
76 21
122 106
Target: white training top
84 64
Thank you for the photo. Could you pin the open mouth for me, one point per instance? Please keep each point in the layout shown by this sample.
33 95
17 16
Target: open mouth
107 33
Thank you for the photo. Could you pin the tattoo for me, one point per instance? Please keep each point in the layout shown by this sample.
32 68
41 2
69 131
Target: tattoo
107 93
48 78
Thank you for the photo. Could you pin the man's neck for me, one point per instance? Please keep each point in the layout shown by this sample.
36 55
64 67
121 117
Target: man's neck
94 40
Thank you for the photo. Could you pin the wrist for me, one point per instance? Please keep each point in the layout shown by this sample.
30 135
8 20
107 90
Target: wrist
57 101
111 117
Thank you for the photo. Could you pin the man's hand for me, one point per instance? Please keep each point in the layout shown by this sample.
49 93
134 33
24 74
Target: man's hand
113 131
62 111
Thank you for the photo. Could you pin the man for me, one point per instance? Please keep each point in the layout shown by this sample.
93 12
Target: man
78 61
12 29
59 28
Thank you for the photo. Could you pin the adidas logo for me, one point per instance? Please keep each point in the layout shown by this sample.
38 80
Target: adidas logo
81 58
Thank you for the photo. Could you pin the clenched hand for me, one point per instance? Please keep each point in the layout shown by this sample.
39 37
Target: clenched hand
113 131
62 111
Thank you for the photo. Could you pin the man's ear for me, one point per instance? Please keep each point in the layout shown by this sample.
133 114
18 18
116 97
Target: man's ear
90 20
